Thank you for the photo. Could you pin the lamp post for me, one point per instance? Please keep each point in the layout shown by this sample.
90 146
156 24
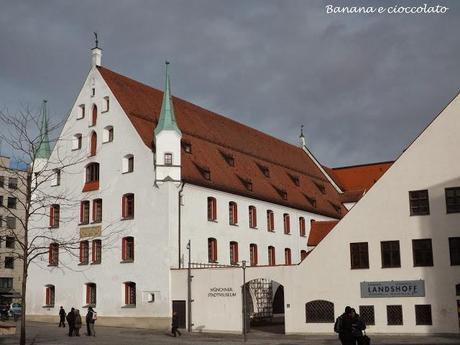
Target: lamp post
243 265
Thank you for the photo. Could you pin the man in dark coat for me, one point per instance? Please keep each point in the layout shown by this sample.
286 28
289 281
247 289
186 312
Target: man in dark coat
71 321
90 319
61 317
343 326
175 325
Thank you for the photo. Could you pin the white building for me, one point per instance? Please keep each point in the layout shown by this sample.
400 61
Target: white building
141 185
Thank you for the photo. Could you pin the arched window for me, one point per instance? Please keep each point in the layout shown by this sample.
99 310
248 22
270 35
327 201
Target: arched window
302 226
91 294
287 256
55 211
319 311
127 249
53 254
232 213
233 253
97 210
107 134
252 217
128 164
271 256
130 293
168 158
212 250
76 142
253 256
84 252
92 177
94 115
287 223
303 254
49 295
212 209
93 144
127 206
270 221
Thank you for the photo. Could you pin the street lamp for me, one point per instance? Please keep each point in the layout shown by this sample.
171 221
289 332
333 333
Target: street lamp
243 265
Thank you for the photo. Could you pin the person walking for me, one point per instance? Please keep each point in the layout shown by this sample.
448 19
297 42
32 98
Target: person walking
71 321
62 317
357 328
78 322
91 317
175 325
343 326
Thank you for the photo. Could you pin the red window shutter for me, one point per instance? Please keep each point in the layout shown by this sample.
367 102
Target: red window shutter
81 212
123 206
214 210
51 216
235 214
123 249
93 252
47 298
50 255
126 293
94 119
88 294
81 252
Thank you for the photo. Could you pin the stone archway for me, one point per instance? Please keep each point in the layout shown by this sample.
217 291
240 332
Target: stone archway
265 305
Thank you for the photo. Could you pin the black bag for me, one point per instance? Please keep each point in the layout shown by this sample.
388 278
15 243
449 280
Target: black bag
365 340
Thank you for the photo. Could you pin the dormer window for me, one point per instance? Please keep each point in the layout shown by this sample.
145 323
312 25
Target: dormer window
311 200
81 112
187 146
246 182
106 104
295 179
265 171
320 187
168 159
336 207
281 192
204 171
228 158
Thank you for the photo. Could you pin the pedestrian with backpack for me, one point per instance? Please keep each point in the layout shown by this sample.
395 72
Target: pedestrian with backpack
343 326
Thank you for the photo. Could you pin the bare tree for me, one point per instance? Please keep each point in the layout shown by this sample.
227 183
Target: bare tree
27 137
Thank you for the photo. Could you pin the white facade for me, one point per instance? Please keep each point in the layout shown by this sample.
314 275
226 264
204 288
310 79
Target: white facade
160 244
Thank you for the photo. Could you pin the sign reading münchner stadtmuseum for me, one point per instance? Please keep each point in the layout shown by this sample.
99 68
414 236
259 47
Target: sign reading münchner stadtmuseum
394 288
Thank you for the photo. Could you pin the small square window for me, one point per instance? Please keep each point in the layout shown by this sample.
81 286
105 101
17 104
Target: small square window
359 254
453 200
422 252
423 314
367 314
394 315
419 203
9 262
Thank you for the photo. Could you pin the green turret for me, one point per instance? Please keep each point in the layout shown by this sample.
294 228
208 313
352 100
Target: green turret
43 149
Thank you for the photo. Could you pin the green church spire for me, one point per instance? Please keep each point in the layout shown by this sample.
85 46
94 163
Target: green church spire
167 120
43 149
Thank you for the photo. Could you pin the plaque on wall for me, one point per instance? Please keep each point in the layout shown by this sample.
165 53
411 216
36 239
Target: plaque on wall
91 231
393 288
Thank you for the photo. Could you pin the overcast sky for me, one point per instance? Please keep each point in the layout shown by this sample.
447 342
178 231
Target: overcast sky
363 85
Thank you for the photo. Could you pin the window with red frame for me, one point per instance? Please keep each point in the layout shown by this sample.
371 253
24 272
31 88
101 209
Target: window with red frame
92 173
212 250
253 256
53 254
94 116
130 293
252 217
303 254
287 223
84 252
91 294
49 295
271 256
232 213
97 210
212 209
55 211
287 256
84 212
127 249
233 253
96 253
270 221
302 226
127 210
93 144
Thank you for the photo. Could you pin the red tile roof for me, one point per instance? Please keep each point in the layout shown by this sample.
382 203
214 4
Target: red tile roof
319 230
212 136
359 177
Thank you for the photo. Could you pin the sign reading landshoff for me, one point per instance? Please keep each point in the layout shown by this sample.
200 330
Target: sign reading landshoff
402 288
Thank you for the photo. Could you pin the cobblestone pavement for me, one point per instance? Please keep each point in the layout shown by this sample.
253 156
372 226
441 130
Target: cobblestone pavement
47 334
